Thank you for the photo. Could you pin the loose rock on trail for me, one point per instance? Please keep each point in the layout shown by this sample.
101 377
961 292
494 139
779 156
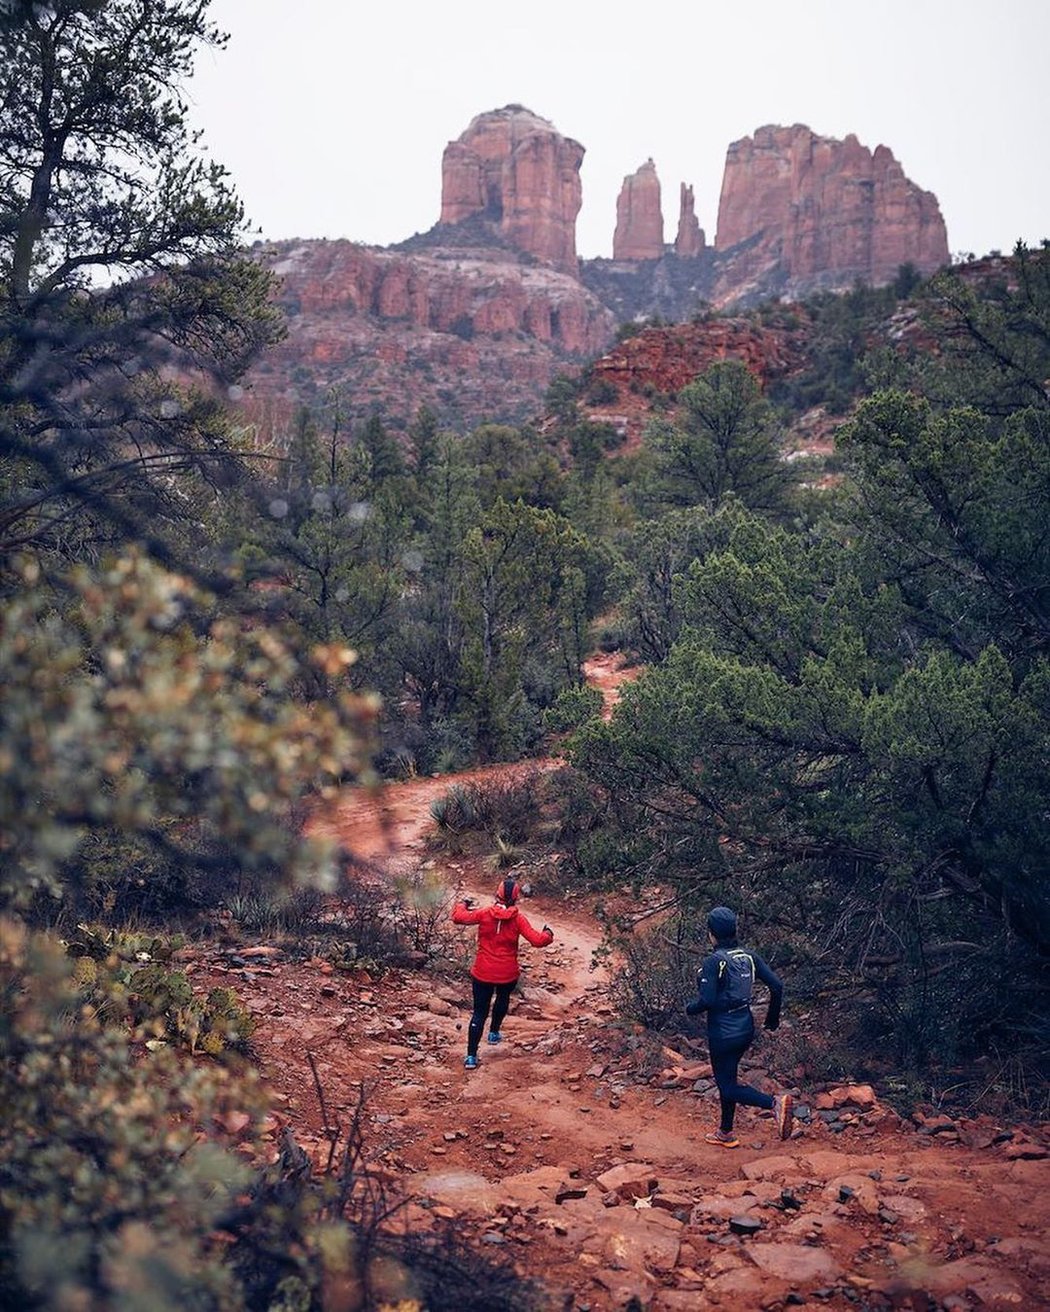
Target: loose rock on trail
576 1149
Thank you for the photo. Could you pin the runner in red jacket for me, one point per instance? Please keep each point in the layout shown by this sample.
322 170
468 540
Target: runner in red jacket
495 969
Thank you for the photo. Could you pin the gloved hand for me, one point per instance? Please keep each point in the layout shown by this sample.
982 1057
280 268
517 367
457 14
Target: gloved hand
693 1008
547 930
468 902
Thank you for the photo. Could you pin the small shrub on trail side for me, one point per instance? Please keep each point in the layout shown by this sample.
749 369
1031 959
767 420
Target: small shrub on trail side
454 813
105 1187
505 809
363 911
653 980
294 914
125 979
421 910
572 708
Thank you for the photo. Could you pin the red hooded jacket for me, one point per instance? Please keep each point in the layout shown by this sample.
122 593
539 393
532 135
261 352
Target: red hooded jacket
499 928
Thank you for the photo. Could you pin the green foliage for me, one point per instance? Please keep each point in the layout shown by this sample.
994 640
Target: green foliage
845 729
651 983
573 707
278 913
722 441
421 910
525 588
953 501
136 707
106 1196
507 464
455 811
104 185
467 611
993 337
843 330
162 1002
657 558
506 811
327 538
602 391
562 397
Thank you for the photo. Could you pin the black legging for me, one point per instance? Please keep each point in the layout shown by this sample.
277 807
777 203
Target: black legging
730 1092
482 1000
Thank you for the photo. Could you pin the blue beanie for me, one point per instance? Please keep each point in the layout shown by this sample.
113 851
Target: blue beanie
722 923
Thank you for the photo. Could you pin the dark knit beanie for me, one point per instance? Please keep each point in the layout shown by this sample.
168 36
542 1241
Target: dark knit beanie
722 923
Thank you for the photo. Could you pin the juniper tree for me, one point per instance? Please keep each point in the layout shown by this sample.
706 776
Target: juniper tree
118 257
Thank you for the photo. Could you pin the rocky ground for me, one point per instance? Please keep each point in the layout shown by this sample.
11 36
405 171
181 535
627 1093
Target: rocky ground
576 1150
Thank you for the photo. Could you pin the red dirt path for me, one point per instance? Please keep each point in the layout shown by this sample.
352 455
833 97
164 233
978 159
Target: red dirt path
516 1153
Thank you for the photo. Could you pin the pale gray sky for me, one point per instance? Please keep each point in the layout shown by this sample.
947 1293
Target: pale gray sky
332 115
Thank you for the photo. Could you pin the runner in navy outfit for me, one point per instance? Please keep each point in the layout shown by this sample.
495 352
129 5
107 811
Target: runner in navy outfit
725 982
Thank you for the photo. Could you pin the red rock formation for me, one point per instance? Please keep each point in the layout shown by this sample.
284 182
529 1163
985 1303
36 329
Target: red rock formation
515 170
473 333
639 220
827 212
669 358
690 240
666 359
456 320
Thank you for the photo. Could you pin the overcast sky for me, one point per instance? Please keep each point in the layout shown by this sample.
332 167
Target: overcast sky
332 115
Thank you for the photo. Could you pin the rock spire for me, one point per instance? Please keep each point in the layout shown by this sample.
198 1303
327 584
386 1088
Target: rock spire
690 240
639 231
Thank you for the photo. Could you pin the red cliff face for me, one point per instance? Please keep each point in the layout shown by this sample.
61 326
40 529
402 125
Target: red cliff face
666 359
690 240
471 332
826 212
639 231
513 169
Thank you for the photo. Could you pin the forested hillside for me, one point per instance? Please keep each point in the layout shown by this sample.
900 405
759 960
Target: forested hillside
839 723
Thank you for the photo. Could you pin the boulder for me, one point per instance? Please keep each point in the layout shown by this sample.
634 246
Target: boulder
859 1190
627 1240
631 1180
796 1264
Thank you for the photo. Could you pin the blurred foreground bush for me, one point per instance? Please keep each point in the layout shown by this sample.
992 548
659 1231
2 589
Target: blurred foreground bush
138 716
120 1186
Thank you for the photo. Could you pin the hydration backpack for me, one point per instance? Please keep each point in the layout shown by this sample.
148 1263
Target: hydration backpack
736 978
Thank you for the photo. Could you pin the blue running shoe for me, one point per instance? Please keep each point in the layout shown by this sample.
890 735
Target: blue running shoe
470 1062
495 1036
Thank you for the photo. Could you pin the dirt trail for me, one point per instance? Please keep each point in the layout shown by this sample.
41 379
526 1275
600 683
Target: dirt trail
392 821
576 1149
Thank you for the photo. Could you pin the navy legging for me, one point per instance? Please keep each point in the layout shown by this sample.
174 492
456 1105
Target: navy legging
482 1001
730 1091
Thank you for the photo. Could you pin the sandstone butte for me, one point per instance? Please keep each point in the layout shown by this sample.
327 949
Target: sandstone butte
476 316
824 212
512 168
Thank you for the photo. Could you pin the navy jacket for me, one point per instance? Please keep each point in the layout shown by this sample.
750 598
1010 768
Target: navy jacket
730 1026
